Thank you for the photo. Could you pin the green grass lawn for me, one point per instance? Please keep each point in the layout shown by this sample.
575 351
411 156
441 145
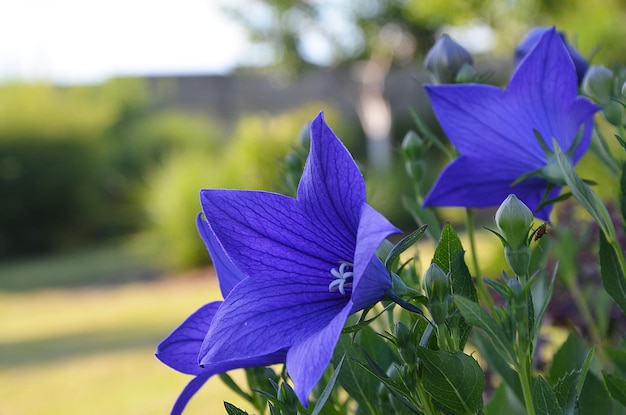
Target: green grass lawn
88 349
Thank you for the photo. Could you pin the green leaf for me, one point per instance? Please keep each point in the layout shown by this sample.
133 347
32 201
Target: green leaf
403 245
544 399
618 356
423 217
570 356
500 366
612 274
228 381
594 398
616 386
328 389
453 379
360 384
622 192
449 257
233 410
583 193
565 392
501 403
477 317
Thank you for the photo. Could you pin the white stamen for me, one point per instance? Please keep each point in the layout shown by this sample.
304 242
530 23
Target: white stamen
343 278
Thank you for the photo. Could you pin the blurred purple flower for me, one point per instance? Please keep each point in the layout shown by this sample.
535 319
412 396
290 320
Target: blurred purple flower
292 271
532 38
494 132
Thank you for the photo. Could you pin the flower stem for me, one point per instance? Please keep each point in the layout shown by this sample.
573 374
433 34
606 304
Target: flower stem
482 290
525 379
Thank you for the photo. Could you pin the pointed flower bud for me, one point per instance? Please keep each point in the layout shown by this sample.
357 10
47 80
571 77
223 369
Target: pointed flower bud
514 219
406 348
436 284
598 84
412 146
445 59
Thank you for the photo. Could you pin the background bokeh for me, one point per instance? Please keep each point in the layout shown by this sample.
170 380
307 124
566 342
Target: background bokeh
99 177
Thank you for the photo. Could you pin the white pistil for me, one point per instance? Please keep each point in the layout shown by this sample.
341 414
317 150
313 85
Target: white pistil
343 278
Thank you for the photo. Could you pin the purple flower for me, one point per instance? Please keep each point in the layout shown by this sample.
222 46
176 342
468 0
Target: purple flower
495 131
291 271
532 38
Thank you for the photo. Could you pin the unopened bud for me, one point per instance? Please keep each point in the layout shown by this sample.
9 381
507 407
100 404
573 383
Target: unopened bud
514 219
412 146
598 84
613 112
437 286
445 59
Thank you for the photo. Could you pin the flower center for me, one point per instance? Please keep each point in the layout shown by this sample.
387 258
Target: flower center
343 278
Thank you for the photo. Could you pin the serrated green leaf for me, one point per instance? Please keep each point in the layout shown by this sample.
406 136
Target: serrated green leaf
449 257
616 386
403 245
544 399
477 317
423 217
584 371
570 356
328 389
565 392
612 274
453 379
233 410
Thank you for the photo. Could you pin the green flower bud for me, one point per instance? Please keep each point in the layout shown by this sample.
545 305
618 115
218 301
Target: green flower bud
436 283
445 59
437 286
514 219
624 90
406 348
613 112
598 84
412 146
304 137
466 74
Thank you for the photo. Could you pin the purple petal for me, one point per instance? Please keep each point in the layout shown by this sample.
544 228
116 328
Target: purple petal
370 281
269 313
180 349
307 360
228 274
196 383
332 187
266 234
472 183
481 122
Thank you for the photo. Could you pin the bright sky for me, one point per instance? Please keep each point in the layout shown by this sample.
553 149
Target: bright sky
83 41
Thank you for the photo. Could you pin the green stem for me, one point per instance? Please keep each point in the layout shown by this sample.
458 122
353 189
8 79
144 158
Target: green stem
525 379
482 290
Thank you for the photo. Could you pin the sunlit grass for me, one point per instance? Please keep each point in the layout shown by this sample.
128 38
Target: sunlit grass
90 350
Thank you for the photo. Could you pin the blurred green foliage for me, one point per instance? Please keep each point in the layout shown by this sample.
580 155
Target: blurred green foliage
251 158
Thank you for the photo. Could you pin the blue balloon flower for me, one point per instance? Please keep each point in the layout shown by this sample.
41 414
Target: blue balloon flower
496 132
292 271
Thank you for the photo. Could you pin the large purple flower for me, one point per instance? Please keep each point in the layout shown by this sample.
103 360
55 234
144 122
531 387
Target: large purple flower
295 270
495 131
